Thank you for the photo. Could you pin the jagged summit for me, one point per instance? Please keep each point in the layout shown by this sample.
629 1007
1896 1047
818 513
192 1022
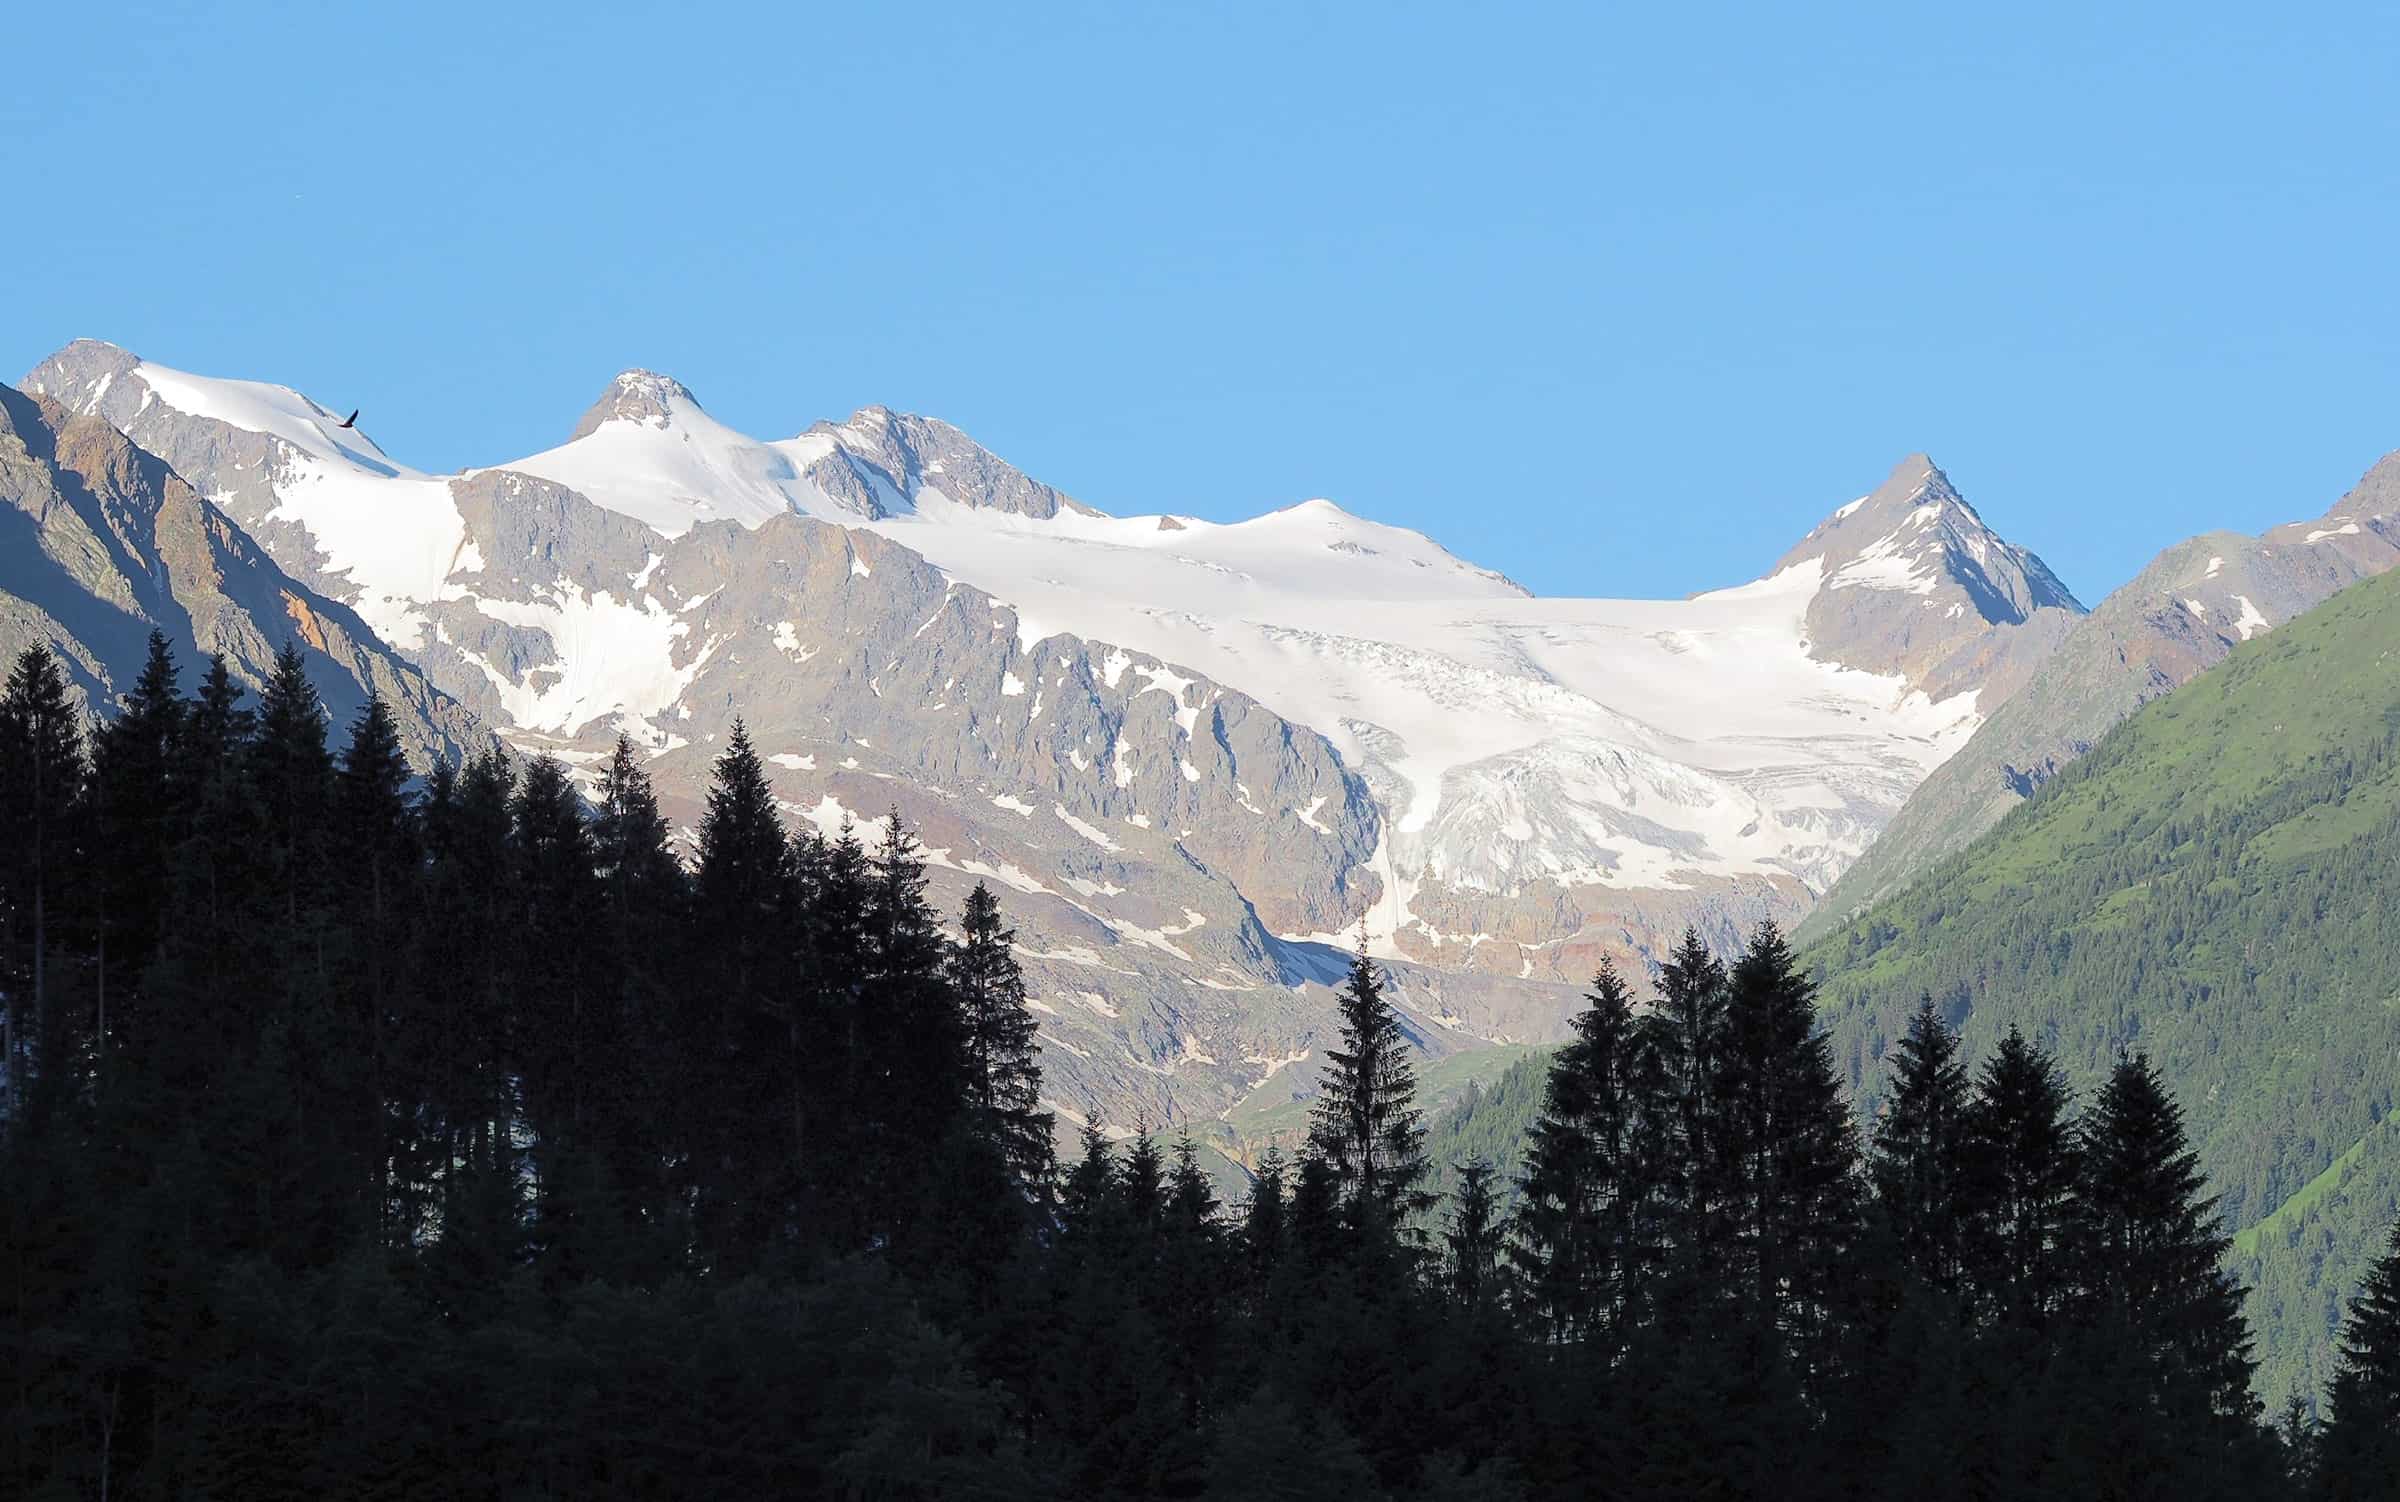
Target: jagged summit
879 462
636 396
1915 534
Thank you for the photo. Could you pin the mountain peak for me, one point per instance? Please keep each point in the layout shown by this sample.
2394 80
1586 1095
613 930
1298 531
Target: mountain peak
636 396
1908 577
77 369
908 454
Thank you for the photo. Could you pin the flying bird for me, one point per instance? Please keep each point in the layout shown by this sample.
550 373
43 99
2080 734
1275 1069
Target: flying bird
352 420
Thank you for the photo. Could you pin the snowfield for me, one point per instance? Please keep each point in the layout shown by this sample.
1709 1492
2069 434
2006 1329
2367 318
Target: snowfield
1510 739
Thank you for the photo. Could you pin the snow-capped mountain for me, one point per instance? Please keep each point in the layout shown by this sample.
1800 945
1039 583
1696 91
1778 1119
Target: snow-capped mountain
2177 618
101 543
1200 754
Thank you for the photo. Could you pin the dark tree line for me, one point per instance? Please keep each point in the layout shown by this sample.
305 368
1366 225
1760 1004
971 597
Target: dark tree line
371 1139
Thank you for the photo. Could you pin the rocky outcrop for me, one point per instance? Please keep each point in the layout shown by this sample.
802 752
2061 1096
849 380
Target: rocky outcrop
1914 584
2173 621
105 543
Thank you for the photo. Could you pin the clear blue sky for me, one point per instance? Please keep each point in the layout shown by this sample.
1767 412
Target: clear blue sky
1616 301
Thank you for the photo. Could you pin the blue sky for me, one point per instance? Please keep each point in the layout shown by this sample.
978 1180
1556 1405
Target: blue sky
1619 301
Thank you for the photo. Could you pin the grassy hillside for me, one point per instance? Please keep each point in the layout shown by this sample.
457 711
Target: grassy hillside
2218 883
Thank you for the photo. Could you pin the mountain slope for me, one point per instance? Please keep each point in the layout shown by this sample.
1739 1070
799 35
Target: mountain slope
2210 883
1202 753
2191 606
104 543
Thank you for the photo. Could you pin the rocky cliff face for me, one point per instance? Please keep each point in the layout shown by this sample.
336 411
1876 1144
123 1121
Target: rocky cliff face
104 543
2179 617
1914 584
1195 758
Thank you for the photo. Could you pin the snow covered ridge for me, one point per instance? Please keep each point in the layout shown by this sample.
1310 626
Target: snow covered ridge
1758 734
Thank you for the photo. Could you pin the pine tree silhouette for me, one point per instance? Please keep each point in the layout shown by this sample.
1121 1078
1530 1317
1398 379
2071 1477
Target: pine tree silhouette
1366 1126
2358 1454
1918 1161
1000 1031
1596 1166
2023 1163
41 776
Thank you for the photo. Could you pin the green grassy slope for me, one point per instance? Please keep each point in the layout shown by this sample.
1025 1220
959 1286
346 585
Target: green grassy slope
2218 883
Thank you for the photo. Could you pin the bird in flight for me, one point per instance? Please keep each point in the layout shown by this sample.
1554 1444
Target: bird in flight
351 421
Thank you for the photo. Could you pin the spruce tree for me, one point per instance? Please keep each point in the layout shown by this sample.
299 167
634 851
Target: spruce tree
41 777
134 792
1084 1193
2022 1164
1263 1213
1785 1154
1686 1032
642 884
642 906
919 1085
376 835
1194 1279
1919 1155
739 1078
2148 1249
1366 1126
2358 1455
290 772
1000 1042
1475 1240
1596 1163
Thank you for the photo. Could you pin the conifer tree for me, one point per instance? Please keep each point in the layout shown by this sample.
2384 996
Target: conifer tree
913 1047
1785 1154
1193 1279
642 904
291 775
553 892
739 1077
1595 1167
2358 1458
1687 1039
1476 1239
1084 1195
1366 1126
41 776
2021 1159
376 836
2148 1249
999 1036
1139 1195
133 806
1919 1155
1263 1213
641 880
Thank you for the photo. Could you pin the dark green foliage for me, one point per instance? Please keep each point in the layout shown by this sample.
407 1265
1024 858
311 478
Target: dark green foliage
1475 1239
999 1038
1597 1173
2358 1454
2022 1168
2211 883
1781 1153
41 776
1366 1124
2145 1247
1918 1161
450 1139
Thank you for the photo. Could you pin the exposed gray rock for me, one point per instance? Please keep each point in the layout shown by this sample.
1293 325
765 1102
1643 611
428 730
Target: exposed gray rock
2177 618
1916 585
883 459
103 542
635 396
